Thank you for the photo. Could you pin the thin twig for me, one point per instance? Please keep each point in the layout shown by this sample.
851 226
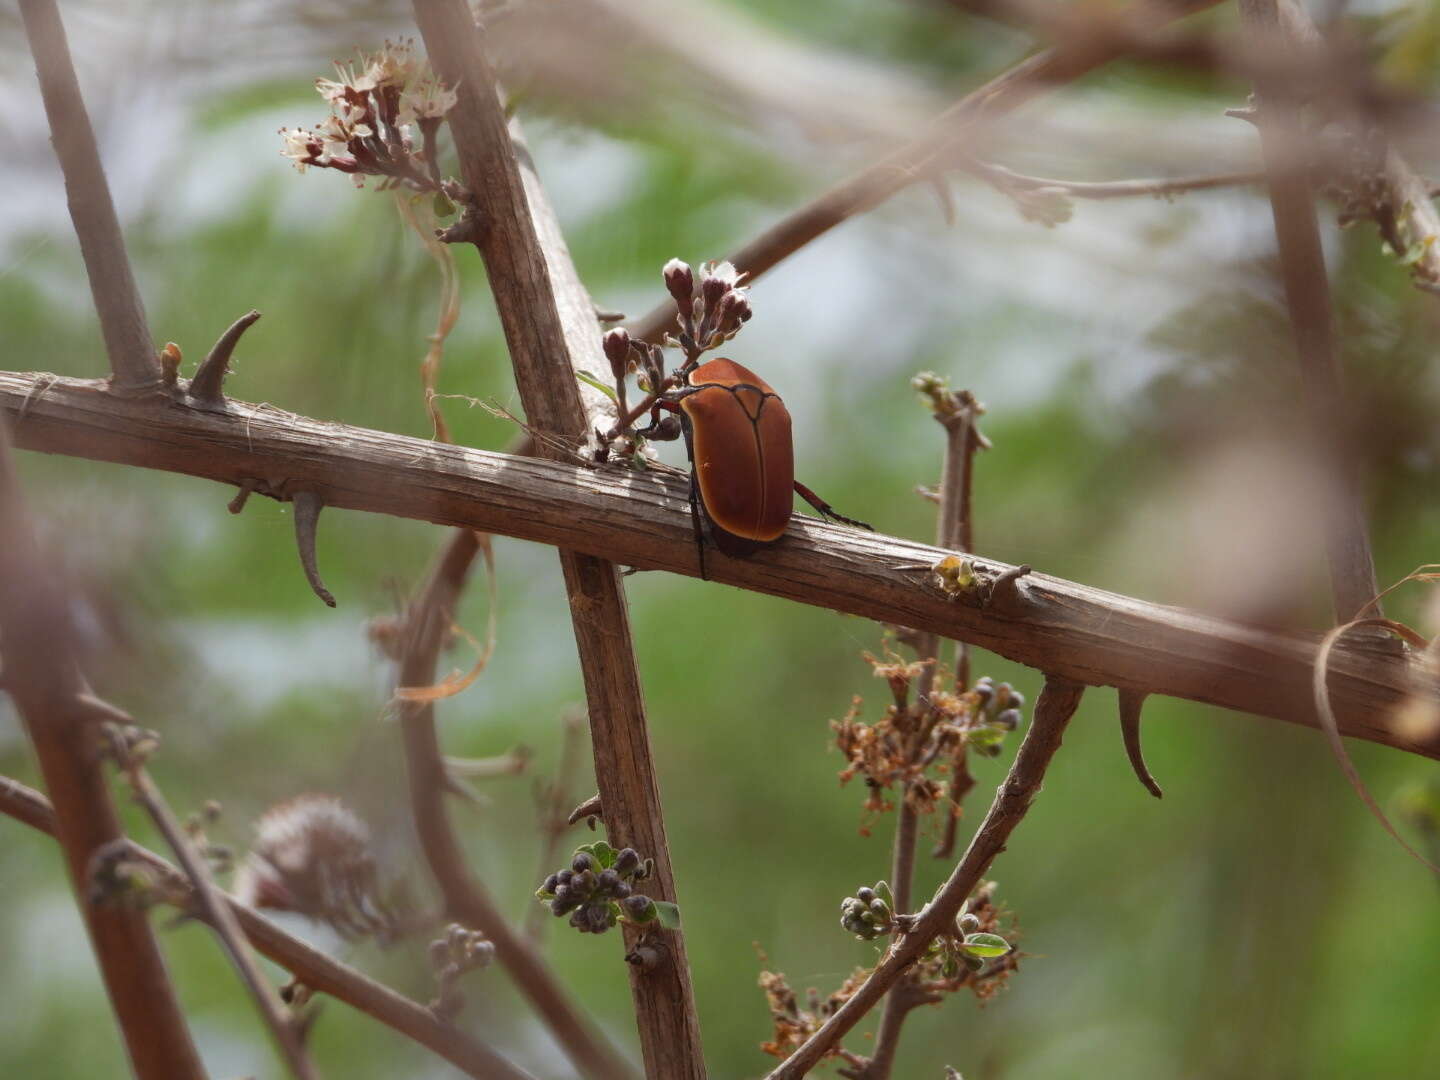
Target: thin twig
216 912
1071 629
1006 180
131 350
956 413
43 679
1307 295
315 969
428 621
549 324
1053 709
950 133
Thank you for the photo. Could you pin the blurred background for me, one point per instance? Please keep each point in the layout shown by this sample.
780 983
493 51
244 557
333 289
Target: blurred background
1142 396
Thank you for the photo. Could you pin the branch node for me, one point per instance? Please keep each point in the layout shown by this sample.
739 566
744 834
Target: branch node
206 388
170 365
470 229
649 955
242 496
1005 589
1131 702
308 505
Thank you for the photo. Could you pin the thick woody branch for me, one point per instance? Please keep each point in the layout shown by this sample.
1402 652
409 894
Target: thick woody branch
643 520
43 678
549 322
317 970
117 299
951 134
1307 294
1053 710
427 626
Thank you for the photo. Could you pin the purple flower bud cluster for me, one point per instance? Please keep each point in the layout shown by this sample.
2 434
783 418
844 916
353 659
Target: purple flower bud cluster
597 889
998 712
867 914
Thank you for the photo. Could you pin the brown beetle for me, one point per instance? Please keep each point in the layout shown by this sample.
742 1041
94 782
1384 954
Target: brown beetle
742 459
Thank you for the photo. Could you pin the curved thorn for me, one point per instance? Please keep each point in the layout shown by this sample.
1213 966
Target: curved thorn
589 808
1005 590
205 387
307 516
1130 704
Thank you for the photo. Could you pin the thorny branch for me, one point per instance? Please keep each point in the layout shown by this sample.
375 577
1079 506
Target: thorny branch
112 284
949 135
43 678
1053 710
313 968
1307 294
1073 630
549 324
957 414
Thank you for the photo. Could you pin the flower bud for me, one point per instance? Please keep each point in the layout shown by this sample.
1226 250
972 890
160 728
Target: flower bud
627 862
550 883
680 280
1009 719
439 954
969 924
732 311
638 908
607 880
583 861
617 350
865 894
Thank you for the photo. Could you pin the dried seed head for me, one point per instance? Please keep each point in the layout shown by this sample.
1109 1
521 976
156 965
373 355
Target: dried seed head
312 856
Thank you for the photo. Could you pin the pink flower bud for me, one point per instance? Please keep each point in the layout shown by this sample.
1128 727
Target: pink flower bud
617 350
680 280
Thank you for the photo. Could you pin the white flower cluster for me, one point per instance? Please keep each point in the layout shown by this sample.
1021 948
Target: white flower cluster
374 102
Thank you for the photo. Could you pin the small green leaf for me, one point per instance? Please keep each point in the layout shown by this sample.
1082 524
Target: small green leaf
668 914
604 854
985 945
543 893
443 206
985 736
605 388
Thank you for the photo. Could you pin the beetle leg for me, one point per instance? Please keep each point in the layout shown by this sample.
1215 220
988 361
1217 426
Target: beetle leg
826 510
698 527
696 512
655 431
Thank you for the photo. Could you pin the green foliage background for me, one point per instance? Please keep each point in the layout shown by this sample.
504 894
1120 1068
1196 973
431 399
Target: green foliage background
1255 923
